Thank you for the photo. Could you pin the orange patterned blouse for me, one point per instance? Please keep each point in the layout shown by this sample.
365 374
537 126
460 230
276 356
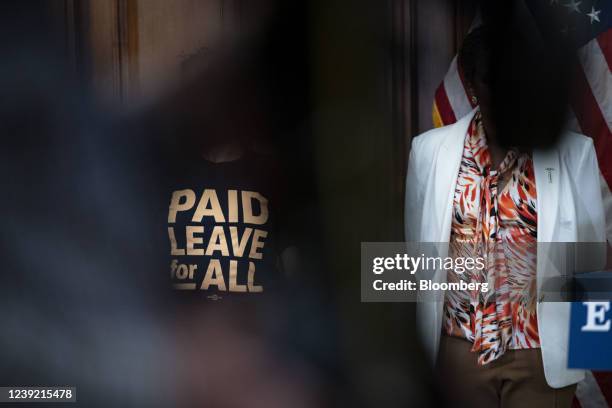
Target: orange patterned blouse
501 227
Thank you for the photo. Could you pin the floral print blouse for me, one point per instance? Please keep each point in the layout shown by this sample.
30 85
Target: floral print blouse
500 225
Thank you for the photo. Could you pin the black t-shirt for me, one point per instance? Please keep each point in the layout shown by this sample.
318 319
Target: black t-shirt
223 237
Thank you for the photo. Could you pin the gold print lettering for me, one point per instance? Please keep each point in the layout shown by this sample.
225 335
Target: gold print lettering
247 208
233 278
173 268
182 271
176 205
239 245
173 246
213 276
257 243
232 207
254 207
192 269
203 210
192 240
251 280
217 242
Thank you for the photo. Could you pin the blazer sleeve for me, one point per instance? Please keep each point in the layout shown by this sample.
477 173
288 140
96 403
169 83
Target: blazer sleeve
606 196
588 179
591 219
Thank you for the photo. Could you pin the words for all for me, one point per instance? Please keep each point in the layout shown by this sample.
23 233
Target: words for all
214 277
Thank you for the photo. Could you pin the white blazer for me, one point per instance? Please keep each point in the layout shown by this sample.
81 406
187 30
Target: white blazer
570 209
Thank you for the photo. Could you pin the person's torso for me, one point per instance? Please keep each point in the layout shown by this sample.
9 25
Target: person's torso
221 229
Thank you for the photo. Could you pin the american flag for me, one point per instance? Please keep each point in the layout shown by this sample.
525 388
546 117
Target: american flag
590 24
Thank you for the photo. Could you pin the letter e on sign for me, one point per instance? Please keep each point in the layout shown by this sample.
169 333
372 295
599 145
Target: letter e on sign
596 319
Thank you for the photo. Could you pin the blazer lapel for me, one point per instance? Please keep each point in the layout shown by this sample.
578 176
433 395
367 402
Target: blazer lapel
547 178
447 170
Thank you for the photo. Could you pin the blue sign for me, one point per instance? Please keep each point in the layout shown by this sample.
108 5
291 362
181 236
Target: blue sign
590 341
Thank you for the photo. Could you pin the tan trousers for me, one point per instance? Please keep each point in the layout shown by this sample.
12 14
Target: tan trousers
516 379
